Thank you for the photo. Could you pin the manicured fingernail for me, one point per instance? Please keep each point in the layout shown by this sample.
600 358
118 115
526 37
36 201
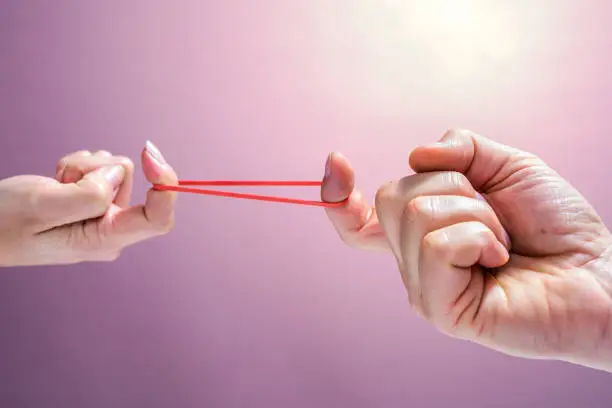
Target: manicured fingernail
328 165
113 174
155 153
480 196
507 239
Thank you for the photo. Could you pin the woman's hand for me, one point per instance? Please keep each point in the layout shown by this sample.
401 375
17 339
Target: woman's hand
493 246
83 214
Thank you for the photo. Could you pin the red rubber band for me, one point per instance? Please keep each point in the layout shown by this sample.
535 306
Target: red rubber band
183 189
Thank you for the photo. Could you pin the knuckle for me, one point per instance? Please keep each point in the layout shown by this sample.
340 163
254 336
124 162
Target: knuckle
528 158
126 162
419 210
436 243
422 206
384 194
451 131
457 180
485 235
456 134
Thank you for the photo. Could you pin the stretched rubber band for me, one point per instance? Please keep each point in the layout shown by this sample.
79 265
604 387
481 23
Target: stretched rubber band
184 187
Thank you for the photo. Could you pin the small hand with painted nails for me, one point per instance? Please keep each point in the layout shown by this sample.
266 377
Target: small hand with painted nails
493 246
84 213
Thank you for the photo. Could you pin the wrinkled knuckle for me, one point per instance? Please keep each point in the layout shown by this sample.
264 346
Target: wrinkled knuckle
528 159
436 244
423 207
456 133
451 131
457 180
417 211
485 235
384 194
126 162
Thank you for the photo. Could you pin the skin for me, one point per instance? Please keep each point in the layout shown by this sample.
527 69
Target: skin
84 213
493 246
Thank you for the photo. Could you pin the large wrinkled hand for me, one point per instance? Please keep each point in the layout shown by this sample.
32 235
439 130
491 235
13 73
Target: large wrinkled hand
84 213
493 246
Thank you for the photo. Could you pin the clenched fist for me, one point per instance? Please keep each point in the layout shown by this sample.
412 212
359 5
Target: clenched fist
84 213
493 246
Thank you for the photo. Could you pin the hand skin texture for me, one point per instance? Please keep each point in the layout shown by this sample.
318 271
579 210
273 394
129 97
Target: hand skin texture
493 246
83 214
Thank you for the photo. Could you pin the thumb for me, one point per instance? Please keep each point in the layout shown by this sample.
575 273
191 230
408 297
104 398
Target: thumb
484 162
356 222
88 198
339 179
156 215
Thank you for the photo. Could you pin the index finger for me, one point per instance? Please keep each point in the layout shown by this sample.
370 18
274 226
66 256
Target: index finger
356 222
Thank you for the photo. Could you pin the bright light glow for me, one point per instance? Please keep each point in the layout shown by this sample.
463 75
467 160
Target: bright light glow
461 33
392 47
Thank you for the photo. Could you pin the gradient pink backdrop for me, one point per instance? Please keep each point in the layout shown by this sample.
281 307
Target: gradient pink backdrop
256 305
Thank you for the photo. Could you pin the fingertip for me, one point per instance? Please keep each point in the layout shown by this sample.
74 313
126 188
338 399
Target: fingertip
495 256
155 171
425 158
451 153
339 179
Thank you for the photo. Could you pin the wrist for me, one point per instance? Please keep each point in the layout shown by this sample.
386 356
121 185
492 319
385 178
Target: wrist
599 356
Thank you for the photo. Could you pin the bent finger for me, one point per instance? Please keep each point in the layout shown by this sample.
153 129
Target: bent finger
76 166
452 281
63 163
486 163
59 204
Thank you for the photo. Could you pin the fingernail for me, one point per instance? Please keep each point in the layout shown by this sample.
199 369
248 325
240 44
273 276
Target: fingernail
114 174
480 197
328 166
508 242
155 153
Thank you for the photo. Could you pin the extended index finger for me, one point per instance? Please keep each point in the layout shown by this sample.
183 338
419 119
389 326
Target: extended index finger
356 222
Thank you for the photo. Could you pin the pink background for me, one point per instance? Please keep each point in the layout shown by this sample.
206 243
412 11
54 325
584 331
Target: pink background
256 304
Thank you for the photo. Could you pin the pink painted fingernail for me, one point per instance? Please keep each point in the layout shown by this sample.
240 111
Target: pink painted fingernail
155 153
507 239
480 197
328 165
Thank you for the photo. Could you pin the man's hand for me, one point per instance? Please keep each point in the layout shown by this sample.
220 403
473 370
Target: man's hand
83 214
493 246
